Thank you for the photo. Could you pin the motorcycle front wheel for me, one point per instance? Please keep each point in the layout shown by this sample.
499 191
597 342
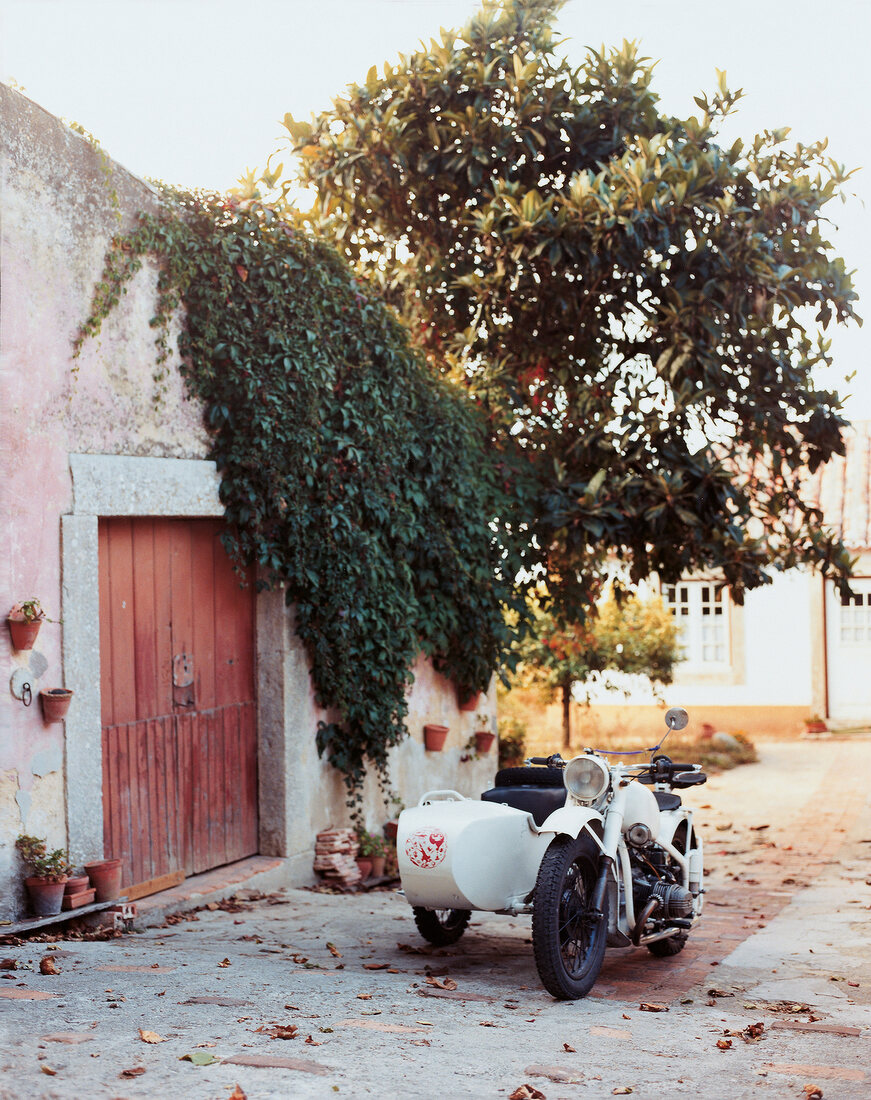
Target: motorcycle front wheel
568 939
441 927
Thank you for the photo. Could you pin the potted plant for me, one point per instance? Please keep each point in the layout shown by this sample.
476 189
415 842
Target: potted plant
467 699
373 848
55 703
434 737
25 619
484 736
50 872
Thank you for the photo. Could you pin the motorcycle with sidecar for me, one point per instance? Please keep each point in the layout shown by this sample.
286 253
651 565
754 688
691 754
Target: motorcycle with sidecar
601 855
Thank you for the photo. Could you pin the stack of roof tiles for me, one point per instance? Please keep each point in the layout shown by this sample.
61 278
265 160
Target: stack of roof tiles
335 856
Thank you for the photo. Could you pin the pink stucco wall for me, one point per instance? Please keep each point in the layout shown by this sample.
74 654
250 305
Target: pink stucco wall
58 217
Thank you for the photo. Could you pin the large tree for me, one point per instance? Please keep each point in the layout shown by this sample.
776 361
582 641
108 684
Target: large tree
633 305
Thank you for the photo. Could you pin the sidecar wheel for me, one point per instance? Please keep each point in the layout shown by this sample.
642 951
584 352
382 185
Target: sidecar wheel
441 927
568 940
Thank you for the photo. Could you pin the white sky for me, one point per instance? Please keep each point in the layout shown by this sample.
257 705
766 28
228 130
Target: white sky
191 91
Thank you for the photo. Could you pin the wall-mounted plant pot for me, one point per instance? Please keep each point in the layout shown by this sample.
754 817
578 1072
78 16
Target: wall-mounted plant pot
55 703
434 737
106 878
23 632
467 700
46 895
484 741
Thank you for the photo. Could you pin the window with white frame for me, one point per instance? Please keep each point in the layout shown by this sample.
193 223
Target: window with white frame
855 624
702 612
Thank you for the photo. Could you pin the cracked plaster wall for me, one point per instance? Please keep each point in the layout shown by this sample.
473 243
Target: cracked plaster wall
82 438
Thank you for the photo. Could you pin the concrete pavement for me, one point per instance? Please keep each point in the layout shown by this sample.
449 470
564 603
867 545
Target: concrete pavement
374 1011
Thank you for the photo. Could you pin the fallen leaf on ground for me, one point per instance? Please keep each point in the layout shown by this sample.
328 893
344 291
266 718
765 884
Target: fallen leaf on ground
311 1042
199 1058
527 1092
203 1044
134 1071
720 993
47 965
334 951
237 1094
226 962
150 1037
621 1090
568 1049
364 996
647 1006
724 1044
446 983
374 966
282 1031
7 964
813 1092
48 1070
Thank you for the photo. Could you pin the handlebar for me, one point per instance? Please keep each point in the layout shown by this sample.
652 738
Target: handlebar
553 761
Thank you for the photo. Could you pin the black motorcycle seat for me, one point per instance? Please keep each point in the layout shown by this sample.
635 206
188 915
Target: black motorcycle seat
666 800
538 801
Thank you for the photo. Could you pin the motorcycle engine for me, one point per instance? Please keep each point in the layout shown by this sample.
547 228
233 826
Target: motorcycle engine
675 901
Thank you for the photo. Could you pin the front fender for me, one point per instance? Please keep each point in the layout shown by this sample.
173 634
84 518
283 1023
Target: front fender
571 820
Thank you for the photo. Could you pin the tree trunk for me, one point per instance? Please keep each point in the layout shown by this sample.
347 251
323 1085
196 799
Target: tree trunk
567 714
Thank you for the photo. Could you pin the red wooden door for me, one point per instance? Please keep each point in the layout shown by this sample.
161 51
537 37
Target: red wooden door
178 712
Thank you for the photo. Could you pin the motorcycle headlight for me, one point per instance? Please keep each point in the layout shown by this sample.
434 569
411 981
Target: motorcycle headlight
586 778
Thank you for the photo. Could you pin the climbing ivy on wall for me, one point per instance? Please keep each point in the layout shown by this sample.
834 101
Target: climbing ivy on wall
350 475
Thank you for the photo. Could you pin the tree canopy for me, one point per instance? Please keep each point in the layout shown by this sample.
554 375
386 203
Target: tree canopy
630 303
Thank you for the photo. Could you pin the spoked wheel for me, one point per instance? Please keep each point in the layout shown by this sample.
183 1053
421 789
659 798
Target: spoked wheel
568 938
441 926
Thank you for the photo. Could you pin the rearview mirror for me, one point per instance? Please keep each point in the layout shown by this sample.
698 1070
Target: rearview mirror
676 718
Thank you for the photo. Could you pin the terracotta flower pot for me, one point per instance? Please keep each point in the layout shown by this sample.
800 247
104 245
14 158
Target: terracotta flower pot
79 900
484 741
378 863
106 878
77 884
466 700
434 737
55 703
364 866
46 895
23 632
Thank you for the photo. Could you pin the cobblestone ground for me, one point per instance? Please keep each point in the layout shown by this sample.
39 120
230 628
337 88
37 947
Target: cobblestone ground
373 1011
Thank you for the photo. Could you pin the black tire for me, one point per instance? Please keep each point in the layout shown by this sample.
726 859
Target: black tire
666 949
441 927
529 777
569 943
